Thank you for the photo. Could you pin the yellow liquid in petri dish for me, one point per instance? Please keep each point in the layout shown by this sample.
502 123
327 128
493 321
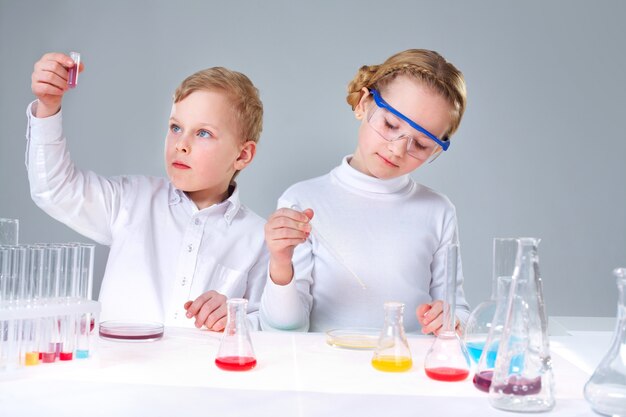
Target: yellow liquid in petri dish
392 363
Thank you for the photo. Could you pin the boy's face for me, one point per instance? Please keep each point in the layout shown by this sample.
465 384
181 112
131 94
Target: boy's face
379 158
203 148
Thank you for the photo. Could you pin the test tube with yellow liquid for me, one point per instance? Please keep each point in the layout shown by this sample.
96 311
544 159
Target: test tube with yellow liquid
392 352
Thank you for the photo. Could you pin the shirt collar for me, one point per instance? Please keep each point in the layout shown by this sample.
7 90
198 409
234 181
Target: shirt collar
352 178
228 208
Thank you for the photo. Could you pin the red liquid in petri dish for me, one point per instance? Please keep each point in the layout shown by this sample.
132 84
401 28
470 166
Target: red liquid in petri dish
447 374
65 356
235 363
48 357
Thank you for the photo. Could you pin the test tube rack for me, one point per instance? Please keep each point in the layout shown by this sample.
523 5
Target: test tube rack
30 331
46 311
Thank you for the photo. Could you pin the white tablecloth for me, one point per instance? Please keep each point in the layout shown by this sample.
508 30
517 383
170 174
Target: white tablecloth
297 374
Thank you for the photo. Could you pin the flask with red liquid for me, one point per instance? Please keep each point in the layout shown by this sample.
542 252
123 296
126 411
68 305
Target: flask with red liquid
235 352
448 359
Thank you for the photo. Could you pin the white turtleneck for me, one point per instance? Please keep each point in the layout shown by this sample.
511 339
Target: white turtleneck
391 234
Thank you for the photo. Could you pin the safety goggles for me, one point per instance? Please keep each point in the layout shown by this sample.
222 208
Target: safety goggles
392 125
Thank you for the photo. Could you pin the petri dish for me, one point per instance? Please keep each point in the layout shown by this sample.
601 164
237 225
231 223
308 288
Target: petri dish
357 338
128 331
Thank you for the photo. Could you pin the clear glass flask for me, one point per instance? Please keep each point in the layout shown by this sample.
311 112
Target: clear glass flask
606 389
522 377
489 350
447 358
392 352
479 321
235 352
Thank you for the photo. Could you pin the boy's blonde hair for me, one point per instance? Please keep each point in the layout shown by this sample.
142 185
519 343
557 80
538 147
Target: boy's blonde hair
428 67
247 105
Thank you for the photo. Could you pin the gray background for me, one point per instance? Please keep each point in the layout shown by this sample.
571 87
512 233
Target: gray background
540 151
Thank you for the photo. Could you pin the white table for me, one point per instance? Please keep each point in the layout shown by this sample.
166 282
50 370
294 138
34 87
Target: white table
297 374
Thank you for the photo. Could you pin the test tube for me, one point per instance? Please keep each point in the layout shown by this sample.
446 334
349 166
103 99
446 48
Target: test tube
72 77
84 292
69 290
50 340
5 270
9 231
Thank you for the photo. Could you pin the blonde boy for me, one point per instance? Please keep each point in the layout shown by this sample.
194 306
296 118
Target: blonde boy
179 248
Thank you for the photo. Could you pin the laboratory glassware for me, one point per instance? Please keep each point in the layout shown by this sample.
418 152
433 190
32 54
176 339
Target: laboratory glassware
489 350
392 352
606 389
522 378
9 231
447 359
72 76
235 352
479 321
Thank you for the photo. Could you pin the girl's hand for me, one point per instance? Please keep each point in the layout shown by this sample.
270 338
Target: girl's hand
430 317
284 230
209 309
49 82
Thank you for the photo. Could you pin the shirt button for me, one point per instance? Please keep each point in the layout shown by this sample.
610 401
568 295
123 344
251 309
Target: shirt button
197 221
189 248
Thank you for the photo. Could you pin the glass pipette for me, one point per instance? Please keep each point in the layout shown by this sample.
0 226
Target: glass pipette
316 233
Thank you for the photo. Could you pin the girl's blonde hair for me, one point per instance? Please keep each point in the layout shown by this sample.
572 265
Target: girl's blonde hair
247 105
426 66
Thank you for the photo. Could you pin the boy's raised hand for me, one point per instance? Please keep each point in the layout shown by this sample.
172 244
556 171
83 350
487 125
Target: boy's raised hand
430 317
209 309
285 229
49 82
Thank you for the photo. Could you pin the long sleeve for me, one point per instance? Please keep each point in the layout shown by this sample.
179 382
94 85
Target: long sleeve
288 307
81 199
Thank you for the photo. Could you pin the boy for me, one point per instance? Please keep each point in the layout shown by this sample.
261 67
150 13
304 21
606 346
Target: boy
173 241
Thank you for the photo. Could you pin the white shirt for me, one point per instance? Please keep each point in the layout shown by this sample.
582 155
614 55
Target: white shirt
391 234
164 251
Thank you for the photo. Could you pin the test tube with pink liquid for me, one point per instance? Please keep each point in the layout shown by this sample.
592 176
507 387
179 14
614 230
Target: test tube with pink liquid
72 77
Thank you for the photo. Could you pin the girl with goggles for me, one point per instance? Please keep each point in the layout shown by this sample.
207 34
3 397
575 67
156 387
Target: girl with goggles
368 232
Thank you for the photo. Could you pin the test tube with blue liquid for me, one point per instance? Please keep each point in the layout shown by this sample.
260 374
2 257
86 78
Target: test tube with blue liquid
84 292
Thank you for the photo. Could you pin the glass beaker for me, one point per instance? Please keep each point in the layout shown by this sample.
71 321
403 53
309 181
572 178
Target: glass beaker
479 321
392 352
489 350
235 352
9 231
606 389
447 359
522 378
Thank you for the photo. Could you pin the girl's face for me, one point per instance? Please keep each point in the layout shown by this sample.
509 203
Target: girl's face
379 158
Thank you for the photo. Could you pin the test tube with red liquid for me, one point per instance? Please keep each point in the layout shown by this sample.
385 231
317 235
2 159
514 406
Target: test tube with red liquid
72 77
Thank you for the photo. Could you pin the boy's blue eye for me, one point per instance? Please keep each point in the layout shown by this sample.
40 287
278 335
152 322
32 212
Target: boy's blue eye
174 128
205 134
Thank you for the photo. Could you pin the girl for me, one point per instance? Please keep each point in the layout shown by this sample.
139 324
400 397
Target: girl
369 233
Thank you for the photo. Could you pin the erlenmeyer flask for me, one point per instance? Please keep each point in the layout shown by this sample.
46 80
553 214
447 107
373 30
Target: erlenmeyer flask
392 353
447 359
522 376
489 350
479 321
606 389
235 352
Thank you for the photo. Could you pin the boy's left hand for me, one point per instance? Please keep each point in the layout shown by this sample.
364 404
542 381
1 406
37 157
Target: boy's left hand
209 309
430 317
